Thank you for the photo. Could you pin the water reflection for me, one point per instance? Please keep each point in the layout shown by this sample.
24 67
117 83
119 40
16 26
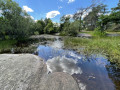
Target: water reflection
90 72
63 64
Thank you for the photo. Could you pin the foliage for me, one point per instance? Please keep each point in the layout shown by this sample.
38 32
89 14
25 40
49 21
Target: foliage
69 28
49 26
7 44
90 21
45 27
111 19
14 22
99 33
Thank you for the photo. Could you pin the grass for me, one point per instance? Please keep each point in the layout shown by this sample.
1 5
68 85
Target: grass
108 46
7 44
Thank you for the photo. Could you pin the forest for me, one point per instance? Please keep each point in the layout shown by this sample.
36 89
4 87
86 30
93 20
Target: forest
16 23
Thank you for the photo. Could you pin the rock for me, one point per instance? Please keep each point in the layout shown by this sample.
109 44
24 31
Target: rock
29 72
84 35
113 35
59 81
21 72
45 36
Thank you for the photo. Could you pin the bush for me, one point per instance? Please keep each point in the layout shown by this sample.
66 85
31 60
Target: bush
36 33
99 32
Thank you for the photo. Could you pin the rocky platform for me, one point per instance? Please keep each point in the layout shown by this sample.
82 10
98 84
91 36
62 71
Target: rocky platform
29 72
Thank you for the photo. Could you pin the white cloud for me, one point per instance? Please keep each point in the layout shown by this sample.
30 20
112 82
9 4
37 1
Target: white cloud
29 17
70 1
63 64
86 13
27 9
35 20
52 14
60 7
108 13
69 15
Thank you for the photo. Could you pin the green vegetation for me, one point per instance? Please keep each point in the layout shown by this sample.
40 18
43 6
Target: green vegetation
16 23
108 46
67 27
94 18
7 45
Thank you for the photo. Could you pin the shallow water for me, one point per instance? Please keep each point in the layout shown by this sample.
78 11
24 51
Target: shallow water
92 73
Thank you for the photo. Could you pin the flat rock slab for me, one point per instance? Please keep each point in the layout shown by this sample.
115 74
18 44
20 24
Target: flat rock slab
29 72
59 81
46 36
113 35
84 35
21 72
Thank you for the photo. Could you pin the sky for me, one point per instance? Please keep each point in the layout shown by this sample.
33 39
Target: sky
54 9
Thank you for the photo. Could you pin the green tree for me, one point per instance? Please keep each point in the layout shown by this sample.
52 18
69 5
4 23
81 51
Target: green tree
42 24
90 21
49 28
19 21
68 27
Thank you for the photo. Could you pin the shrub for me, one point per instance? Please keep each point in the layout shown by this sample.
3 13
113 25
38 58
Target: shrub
99 32
36 33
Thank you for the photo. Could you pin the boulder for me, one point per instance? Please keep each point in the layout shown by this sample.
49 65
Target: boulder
29 72
59 81
84 35
21 72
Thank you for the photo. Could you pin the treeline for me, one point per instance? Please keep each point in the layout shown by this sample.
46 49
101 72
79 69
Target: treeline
93 18
16 23
45 27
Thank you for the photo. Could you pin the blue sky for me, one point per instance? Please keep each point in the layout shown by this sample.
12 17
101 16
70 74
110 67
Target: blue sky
54 9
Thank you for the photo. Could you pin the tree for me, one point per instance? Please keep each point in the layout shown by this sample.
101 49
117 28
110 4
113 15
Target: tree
39 26
112 18
49 29
81 12
68 27
42 23
90 20
4 27
19 21
65 22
